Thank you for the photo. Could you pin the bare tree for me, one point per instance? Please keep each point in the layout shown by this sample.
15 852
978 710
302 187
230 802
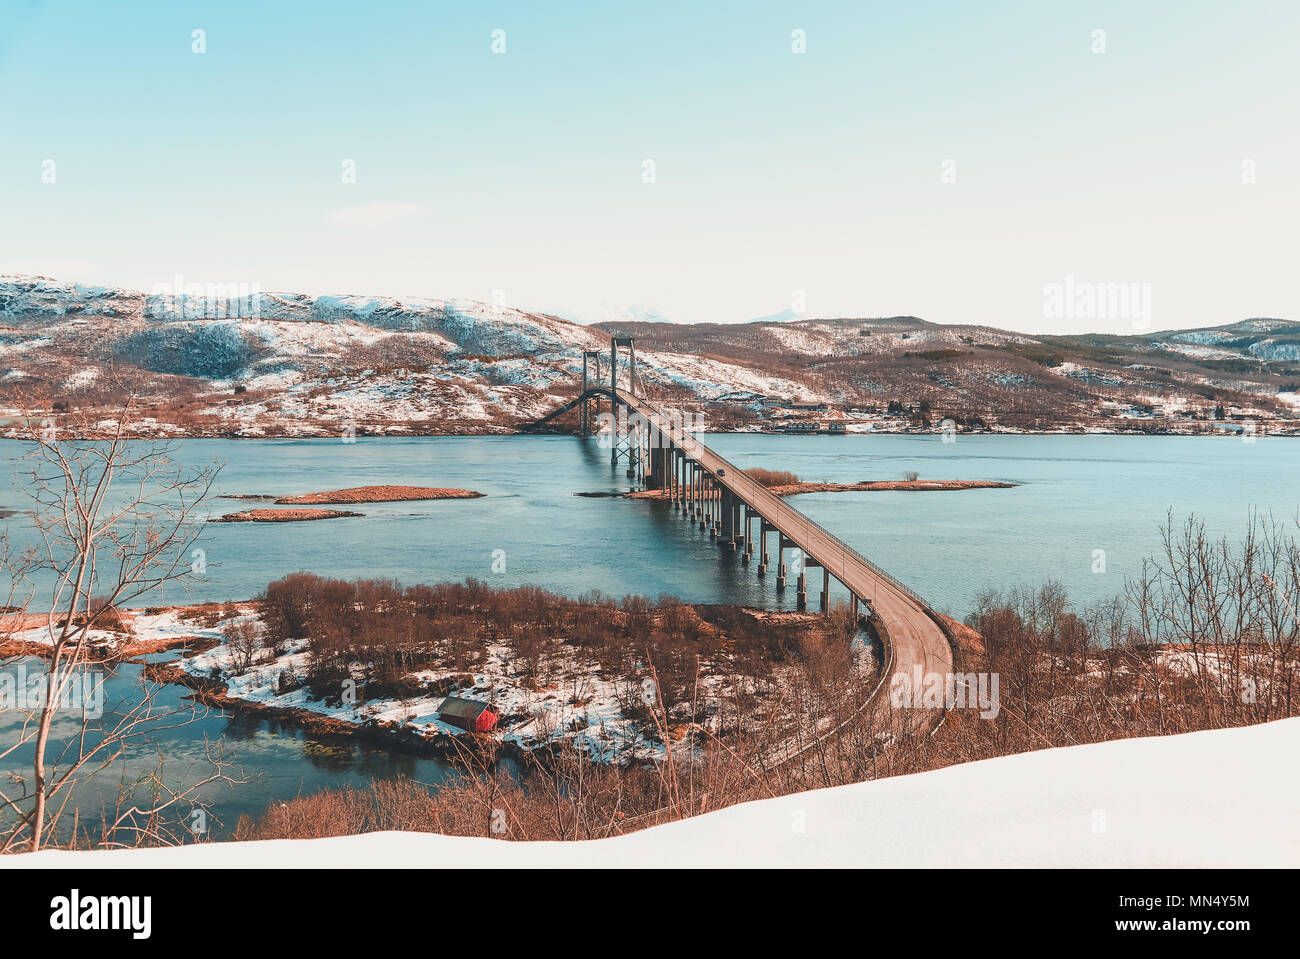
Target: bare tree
243 641
114 519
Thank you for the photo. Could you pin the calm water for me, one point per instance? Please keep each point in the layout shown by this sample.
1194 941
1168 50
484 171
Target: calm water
1077 494
274 761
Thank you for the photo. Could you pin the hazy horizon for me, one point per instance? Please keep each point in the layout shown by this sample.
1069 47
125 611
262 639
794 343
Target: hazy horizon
692 165
591 321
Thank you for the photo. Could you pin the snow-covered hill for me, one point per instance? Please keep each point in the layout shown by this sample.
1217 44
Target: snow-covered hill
217 361
255 363
1219 798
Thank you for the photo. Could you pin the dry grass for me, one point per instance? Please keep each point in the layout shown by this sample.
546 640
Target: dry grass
377 494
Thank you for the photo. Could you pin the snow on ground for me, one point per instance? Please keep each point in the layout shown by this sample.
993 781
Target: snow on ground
145 627
577 704
45 636
1200 352
1087 375
81 379
1218 798
1271 350
709 378
802 340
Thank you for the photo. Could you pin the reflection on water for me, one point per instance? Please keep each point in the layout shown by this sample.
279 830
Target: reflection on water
274 760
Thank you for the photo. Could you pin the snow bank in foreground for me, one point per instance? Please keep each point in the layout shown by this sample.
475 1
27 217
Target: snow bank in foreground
1228 797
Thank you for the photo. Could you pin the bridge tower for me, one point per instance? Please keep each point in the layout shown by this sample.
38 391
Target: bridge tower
590 360
631 447
614 343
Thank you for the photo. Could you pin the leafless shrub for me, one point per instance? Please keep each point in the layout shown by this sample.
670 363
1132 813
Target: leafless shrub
113 519
773 477
241 638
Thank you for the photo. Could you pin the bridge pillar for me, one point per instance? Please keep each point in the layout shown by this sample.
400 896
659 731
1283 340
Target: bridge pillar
853 609
826 591
655 478
801 589
633 453
683 475
780 561
678 473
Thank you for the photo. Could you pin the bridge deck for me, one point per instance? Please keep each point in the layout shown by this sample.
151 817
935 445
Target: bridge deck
916 636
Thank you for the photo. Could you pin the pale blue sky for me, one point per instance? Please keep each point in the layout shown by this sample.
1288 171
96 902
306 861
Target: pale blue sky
776 172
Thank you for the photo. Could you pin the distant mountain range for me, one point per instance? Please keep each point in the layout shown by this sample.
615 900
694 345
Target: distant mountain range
229 362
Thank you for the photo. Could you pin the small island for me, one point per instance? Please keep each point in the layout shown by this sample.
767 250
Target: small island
282 515
784 483
376 494
917 485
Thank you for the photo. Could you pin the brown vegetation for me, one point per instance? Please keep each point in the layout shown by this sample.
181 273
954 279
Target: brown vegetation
1206 638
773 477
282 515
379 634
377 494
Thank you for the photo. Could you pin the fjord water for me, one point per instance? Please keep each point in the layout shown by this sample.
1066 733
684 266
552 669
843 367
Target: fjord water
1076 495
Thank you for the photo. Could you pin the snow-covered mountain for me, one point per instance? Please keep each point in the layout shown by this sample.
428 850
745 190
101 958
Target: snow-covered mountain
256 363
217 361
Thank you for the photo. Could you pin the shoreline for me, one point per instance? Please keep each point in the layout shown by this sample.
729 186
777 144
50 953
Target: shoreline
188 633
458 747
324 436
202 668
289 509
